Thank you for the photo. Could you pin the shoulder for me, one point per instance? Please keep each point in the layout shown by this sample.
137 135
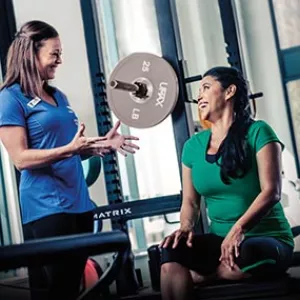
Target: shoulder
198 138
12 96
12 106
258 125
193 146
10 91
261 133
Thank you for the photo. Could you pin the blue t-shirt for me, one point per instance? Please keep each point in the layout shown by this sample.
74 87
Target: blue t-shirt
60 186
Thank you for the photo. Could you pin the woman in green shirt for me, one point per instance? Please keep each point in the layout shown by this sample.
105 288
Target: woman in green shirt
235 166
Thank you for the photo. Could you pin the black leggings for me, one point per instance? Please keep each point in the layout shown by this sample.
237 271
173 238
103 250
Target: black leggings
58 281
262 257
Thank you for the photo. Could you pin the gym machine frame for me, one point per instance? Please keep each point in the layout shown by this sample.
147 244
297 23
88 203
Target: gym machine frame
171 51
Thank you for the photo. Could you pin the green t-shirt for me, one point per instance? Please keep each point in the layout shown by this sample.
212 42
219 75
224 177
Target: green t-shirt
227 203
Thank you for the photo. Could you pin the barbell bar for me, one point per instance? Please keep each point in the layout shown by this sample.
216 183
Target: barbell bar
143 90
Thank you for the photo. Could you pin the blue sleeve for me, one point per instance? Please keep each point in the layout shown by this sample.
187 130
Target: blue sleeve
11 110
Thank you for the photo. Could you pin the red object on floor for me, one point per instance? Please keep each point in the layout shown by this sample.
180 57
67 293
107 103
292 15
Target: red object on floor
92 273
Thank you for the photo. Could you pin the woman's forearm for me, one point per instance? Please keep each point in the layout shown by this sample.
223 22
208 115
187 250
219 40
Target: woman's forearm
258 209
36 158
189 215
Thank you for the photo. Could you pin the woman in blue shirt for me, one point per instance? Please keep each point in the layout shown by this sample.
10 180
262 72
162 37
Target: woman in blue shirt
46 147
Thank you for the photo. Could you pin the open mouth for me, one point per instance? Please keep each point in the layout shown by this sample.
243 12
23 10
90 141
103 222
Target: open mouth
53 68
202 105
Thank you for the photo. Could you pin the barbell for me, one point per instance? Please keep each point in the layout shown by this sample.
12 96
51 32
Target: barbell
142 90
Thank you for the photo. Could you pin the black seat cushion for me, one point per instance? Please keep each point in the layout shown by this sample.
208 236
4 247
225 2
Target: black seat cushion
246 289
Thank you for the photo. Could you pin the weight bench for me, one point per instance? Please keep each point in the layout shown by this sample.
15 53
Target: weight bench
228 290
231 290
57 249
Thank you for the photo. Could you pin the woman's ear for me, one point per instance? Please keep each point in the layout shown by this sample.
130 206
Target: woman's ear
230 91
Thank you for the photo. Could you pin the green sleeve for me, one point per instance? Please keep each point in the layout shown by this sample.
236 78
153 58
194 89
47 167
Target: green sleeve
263 134
187 156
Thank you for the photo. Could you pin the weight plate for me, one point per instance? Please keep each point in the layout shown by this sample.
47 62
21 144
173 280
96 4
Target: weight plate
162 96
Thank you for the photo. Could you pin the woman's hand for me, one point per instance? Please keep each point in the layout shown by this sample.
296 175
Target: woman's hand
87 145
176 236
99 146
98 149
230 246
121 143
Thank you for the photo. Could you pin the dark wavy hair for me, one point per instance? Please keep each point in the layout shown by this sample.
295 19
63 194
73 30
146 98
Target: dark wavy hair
21 66
235 157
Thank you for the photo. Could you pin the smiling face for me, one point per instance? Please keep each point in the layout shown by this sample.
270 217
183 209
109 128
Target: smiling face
49 57
213 98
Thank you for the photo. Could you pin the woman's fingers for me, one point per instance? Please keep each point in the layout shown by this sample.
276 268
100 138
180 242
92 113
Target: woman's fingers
127 149
80 130
122 152
177 238
227 255
238 244
116 127
97 147
165 243
222 257
161 243
113 131
132 145
230 257
236 250
189 240
131 137
91 140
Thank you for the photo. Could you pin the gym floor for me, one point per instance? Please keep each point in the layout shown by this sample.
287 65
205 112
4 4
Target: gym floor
21 293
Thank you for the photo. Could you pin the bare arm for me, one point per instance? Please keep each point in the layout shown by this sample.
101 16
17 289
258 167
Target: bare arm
14 138
190 208
269 170
189 212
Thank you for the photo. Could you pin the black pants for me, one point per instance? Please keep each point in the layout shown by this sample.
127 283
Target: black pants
262 257
58 281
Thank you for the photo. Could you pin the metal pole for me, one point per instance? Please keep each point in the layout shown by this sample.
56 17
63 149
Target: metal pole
124 86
